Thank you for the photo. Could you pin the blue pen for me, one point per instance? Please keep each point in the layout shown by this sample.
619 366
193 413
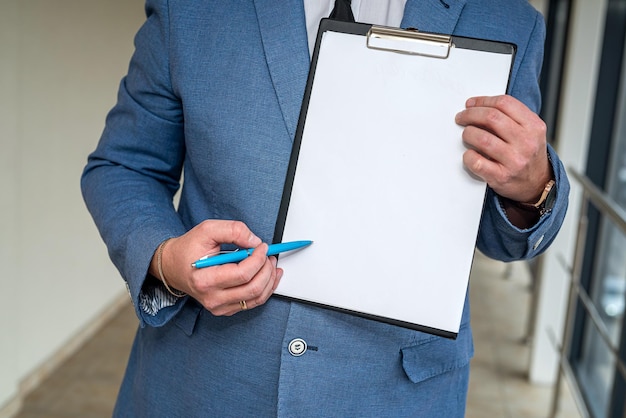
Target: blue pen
237 256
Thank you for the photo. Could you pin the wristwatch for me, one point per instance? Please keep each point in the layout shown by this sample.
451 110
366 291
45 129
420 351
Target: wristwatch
545 202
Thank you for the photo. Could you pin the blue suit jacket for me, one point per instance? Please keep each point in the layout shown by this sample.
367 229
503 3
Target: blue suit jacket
215 88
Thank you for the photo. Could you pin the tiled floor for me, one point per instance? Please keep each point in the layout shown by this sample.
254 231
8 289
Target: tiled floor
86 385
501 297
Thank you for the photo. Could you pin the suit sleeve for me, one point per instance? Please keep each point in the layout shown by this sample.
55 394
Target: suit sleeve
130 179
498 238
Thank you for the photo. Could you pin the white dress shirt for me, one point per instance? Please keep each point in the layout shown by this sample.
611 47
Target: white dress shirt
388 13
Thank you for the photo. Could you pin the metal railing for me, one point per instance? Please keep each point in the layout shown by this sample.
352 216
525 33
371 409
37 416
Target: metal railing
578 295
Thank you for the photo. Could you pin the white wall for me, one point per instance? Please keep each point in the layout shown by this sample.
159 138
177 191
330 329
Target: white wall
574 129
9 237
60 64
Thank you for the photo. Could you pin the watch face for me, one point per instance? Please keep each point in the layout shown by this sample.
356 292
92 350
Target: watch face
548 204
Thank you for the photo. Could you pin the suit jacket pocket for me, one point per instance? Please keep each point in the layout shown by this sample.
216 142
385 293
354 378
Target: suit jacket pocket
437 355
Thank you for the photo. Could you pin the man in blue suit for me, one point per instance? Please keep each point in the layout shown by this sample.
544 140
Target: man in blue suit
214 89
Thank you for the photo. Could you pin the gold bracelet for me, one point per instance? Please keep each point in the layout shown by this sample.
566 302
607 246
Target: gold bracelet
174 292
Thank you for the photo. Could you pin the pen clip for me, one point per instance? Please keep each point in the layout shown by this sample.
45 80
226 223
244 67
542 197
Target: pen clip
204 257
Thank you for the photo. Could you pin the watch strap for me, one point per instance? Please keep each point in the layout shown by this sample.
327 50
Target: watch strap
539 206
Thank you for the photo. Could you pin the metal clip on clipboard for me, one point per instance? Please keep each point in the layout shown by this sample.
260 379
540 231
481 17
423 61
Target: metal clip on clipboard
409 41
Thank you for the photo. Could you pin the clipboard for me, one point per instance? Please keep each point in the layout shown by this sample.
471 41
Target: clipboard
376 177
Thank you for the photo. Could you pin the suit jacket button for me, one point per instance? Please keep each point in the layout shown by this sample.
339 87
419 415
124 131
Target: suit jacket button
538 242
297 347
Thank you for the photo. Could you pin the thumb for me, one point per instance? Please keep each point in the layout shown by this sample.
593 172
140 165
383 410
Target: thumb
229 232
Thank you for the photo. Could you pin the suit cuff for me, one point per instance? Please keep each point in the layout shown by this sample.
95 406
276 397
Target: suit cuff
502 240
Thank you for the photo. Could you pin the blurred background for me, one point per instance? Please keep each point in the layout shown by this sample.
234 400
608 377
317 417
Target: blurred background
65 322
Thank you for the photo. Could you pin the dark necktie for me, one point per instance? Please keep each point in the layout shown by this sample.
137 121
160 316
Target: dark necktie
342 11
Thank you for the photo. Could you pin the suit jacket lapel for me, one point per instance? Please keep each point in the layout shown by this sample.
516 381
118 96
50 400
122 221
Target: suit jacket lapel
283 33
432 15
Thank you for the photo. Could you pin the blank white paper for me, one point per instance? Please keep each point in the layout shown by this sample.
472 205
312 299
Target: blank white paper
380 185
